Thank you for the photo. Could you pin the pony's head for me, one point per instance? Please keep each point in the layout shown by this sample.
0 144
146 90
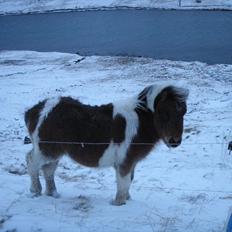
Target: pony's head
168 106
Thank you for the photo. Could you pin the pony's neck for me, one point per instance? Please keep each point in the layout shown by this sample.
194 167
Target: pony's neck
147 132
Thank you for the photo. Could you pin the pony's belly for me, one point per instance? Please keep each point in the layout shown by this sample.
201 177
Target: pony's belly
94 155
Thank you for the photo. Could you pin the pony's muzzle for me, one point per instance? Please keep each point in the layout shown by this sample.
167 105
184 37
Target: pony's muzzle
174 142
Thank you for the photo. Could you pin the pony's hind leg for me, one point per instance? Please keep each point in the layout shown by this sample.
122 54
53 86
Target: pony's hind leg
33 170
49 171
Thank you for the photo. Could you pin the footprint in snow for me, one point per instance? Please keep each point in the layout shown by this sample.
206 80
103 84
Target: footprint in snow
82 204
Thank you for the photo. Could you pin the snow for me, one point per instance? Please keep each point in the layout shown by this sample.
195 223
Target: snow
35 6
182 189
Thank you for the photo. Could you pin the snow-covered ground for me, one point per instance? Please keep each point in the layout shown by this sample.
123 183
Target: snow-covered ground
29 6
184 189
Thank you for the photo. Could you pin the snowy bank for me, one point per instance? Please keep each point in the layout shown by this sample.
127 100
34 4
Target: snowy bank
39 6
182 189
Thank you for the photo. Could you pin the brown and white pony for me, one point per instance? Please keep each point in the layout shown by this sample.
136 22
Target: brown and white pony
117 134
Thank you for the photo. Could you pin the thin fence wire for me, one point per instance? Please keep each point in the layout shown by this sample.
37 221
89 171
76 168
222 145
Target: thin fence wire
85 143
136 144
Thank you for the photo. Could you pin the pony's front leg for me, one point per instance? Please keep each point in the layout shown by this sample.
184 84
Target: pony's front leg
123 186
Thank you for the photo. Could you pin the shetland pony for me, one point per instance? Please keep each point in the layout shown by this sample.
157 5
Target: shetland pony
116 134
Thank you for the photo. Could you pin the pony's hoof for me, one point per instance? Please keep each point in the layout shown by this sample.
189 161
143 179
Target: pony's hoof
128 197
117 202
33 195
54 194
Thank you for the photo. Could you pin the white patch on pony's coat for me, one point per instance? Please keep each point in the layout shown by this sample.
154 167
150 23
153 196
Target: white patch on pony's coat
116 153
109 156
38 156
153 93
123 184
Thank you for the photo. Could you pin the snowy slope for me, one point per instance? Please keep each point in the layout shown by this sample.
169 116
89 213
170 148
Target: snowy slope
183 189
26 6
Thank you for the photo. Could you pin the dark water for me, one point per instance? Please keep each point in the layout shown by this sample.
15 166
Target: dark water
177 35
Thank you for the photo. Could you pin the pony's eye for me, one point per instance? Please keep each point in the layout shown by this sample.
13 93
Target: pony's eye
181 108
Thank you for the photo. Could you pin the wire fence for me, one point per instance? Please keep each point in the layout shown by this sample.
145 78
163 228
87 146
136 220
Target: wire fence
133 144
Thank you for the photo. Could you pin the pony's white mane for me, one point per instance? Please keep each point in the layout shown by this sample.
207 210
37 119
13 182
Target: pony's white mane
145 100
151 92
